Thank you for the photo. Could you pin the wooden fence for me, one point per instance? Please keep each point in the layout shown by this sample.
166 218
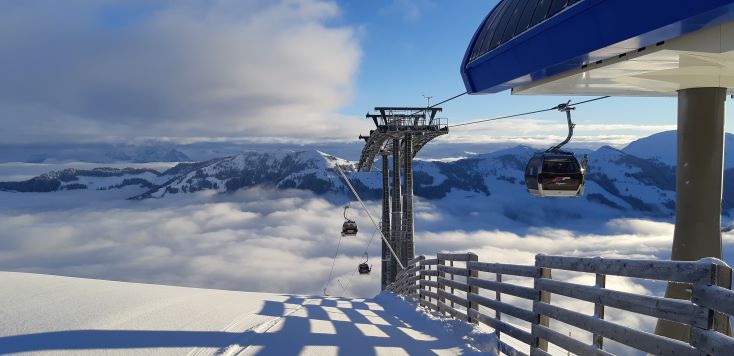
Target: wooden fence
450 284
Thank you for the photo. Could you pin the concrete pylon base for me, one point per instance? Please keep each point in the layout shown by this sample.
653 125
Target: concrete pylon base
699 177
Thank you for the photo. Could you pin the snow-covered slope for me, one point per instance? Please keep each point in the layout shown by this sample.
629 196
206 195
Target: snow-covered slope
42 314
617 182
95 179
311 170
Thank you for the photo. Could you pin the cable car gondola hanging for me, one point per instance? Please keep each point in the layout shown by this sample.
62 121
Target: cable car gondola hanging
363 267
349 228
556 173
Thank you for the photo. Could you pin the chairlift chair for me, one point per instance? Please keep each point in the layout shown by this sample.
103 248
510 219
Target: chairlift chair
556 173
349 228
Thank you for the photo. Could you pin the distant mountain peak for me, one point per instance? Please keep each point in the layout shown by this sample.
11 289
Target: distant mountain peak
662 146
617 181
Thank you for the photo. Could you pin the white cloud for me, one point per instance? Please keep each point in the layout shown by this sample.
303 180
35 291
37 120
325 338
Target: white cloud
537 132
284 241
114 70
623 238
255 240
261 240
410 10
532 126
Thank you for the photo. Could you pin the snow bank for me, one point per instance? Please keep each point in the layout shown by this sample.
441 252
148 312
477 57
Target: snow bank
463 332
44 314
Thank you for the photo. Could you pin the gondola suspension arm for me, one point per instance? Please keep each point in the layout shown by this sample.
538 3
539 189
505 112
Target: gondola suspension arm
567 109
344 176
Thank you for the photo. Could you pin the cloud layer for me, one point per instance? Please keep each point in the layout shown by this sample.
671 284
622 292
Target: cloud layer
254 240
538 132
263 240
284 242
103 70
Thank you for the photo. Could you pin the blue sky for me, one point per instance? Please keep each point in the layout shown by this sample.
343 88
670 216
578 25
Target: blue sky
266 70
411 48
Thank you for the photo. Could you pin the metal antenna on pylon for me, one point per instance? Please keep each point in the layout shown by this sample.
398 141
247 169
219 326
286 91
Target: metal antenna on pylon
428 105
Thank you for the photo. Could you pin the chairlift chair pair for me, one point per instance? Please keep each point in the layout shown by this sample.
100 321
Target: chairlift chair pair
556 173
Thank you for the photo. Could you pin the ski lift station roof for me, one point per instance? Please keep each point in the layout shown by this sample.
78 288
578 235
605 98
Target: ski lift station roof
602 47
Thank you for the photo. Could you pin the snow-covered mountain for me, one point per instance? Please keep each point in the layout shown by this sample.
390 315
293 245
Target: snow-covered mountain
310 170
97 179
662 147
617 182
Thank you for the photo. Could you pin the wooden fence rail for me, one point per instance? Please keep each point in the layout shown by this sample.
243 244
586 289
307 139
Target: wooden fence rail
457 290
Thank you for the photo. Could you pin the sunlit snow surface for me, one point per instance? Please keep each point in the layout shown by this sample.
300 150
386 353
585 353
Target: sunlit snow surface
283 241
43 314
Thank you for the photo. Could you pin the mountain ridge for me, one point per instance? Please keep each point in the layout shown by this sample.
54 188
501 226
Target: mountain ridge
617 182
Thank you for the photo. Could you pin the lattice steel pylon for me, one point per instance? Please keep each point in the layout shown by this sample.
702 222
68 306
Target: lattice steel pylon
400 132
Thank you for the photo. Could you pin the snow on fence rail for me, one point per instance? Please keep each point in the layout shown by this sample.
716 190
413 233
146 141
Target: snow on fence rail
434 283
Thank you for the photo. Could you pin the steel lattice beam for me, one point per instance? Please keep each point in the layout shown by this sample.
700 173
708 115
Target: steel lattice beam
394 123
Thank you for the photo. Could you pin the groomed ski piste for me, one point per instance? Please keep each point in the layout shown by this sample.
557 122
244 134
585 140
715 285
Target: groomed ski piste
54 315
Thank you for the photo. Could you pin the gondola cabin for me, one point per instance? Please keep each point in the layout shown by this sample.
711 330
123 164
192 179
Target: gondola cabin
349 228
364 268
554 174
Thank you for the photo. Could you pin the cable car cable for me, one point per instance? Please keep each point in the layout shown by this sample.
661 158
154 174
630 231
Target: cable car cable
447 100
529 112
349 282
344 176
333 262
588 101
441 102
502 117
507 116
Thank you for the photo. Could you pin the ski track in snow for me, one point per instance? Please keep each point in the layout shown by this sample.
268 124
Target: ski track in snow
54 315
242 346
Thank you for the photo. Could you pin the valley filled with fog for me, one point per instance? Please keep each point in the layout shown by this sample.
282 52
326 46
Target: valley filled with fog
261 239
270 220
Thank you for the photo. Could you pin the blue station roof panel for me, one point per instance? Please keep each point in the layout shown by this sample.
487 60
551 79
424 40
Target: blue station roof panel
522 41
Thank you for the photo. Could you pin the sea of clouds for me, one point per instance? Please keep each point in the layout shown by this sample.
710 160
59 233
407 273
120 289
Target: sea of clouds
266 240
284 241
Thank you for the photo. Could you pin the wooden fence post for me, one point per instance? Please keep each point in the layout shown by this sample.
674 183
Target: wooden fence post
435 301
472 257
601 282
424 277
417 291
441 274
714 295
722 323
543 297
498 297
451 263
